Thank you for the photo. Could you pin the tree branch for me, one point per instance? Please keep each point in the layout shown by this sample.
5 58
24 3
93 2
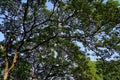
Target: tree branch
40 43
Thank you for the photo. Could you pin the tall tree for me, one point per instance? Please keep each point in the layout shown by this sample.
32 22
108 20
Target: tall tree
46 39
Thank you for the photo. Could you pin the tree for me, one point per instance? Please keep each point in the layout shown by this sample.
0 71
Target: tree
46 39
109 70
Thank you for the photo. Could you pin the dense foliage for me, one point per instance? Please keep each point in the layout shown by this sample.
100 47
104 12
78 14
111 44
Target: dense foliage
41 43
109 70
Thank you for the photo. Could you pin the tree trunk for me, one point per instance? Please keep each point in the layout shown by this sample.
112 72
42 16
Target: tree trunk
6 75
7 69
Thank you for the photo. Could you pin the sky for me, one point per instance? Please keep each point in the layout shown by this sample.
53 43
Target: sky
1 36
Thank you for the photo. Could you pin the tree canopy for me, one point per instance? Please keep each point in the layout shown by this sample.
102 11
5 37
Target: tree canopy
41 43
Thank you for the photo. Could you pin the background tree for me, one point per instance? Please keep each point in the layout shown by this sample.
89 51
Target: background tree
44 40
109 70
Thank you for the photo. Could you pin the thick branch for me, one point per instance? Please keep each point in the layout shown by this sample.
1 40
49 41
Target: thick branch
14 60
7 69
25 15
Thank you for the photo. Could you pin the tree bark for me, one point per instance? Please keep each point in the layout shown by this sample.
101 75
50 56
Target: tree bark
6 75
7 69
